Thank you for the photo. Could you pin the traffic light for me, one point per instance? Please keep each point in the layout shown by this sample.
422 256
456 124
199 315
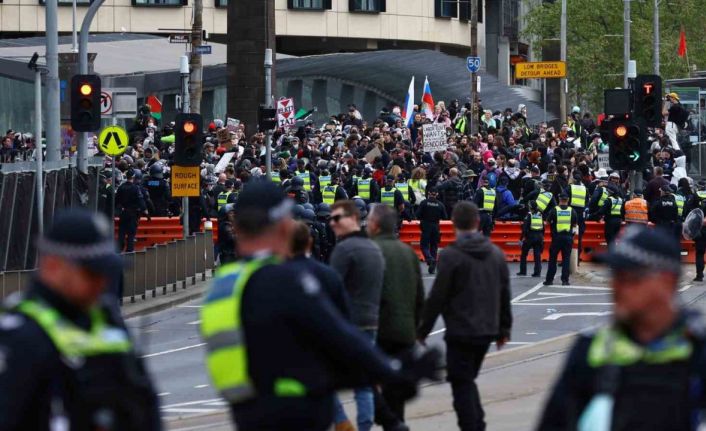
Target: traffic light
628 148
647 102
188 142
266 118
85 103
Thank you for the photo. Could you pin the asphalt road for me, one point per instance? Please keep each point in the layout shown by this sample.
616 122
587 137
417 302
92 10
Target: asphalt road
175 353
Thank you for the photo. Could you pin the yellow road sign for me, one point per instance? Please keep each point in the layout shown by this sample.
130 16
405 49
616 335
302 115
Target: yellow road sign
113 140
185 181
540 69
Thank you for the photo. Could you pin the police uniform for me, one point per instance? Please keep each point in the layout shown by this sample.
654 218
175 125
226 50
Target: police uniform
391 197
63 367
578 199
700 241
664 211
159 191
430 212
131 204
226 237
367 189
332 192
532 239
277 347
485 200
562 220
613 211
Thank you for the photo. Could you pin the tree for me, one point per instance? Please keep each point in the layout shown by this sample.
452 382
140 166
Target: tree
595 42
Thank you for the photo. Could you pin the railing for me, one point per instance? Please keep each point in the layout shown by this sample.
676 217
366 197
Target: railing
159 267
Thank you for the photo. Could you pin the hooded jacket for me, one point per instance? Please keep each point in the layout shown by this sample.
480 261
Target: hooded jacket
471 291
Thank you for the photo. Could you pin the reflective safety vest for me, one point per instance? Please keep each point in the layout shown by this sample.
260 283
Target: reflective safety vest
537 223
307 180
274 175
636 211
680 204
603 197
222 330
329 194
418 186
488 199
364 188
404 188
222 199
578 195
616 207
610 346
543 200
324 181
72 341
387 197
563 220
701 194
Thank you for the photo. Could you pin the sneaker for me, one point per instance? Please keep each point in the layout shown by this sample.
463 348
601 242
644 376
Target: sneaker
548 283
699 278
565 283
432 267
537 275
521 273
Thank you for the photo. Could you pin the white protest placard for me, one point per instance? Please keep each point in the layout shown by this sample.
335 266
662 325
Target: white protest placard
434 137
285 113
603 161
232 124
223 162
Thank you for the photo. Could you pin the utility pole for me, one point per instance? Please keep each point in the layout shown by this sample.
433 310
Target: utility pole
655 37
52 82
196 64
474 75
268 104
185 108
562 54
626 42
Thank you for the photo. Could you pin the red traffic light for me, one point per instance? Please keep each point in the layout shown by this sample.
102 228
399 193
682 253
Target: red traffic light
86 89
621 131
189 127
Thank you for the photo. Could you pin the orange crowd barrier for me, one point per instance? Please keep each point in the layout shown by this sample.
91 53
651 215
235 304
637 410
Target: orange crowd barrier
160 230
506 235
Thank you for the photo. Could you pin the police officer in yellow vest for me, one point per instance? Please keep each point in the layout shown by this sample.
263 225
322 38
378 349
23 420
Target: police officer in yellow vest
579 200
681 204
391 196
66 359
598 198
613 212
485 200
545 199
532 238
366 187
332 192
646 370
277 347
227 196
562 220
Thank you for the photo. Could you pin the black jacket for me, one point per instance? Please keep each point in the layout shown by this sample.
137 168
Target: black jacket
471 291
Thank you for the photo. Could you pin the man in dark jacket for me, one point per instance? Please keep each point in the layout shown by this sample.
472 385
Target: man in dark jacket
400 304
451 190
472 292
360 263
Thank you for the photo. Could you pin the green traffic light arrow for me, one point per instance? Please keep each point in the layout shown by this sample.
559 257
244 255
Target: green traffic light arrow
634 156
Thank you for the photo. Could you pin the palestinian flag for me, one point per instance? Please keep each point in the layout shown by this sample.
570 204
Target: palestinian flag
155 107
302 113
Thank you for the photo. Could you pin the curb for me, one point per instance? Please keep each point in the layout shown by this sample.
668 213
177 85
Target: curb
159 303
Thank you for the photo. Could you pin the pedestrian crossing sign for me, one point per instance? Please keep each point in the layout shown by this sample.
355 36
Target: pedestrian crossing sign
113 140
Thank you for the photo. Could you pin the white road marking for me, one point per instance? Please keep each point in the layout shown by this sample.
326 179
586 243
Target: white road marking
200 386
191 403
563 303
437 332
217 404
163 394
530 333
189 410
519 343
557 316
685 288
527 293
195 322
166 352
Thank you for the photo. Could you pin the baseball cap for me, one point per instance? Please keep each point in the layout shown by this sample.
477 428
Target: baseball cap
266 198
85 238
641 247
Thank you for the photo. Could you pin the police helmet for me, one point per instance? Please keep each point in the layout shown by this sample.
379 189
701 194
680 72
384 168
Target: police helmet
324 210
298 212
297 183
156 171
362 207
308 215
138 174
308 206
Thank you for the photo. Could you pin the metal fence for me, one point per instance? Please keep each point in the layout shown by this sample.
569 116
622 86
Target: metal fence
162 267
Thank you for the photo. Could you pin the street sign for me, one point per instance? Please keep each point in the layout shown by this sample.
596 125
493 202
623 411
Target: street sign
285 113
113 140
540 69
473 64
180 38
202 49
434 137
106 102
185 181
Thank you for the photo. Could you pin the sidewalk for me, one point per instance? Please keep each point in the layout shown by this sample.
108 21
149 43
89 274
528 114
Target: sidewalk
185 292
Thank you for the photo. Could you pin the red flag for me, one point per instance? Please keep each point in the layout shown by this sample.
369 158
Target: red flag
682 44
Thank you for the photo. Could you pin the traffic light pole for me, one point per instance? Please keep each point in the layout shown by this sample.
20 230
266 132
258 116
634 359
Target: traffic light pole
474 75
38 147
268 104
185 108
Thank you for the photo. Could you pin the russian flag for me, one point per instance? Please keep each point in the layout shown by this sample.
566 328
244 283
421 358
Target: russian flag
408 111
427 100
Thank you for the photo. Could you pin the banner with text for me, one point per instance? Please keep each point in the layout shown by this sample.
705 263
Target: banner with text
434 137
285 113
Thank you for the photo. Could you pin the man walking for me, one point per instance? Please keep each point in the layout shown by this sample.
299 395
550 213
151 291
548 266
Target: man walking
472 292
360 263
400 305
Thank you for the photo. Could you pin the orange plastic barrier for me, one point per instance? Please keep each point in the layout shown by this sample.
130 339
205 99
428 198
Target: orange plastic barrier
161 230
506 235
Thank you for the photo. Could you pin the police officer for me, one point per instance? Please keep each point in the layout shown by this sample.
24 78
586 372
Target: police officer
366 187
664 212
545 199
613 212
485 200
68 362
391 196
130 204
562 220
680 200
332 192
532 238
310 180
297 192
579 200
277 347
227 196
226 239
646 369
429 214
159 190
598 198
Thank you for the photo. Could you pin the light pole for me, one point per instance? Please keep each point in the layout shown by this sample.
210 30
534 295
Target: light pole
268 104
562 54
39 157
626 42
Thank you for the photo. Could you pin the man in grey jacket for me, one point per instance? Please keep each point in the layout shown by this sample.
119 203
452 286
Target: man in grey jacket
472 292
361 266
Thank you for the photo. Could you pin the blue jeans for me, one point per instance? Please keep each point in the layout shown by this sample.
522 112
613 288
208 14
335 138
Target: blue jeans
364 401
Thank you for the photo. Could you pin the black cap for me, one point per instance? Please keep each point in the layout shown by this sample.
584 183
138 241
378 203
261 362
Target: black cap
265 197
563 196
85 238
433 190
641 247
229 183
666 188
